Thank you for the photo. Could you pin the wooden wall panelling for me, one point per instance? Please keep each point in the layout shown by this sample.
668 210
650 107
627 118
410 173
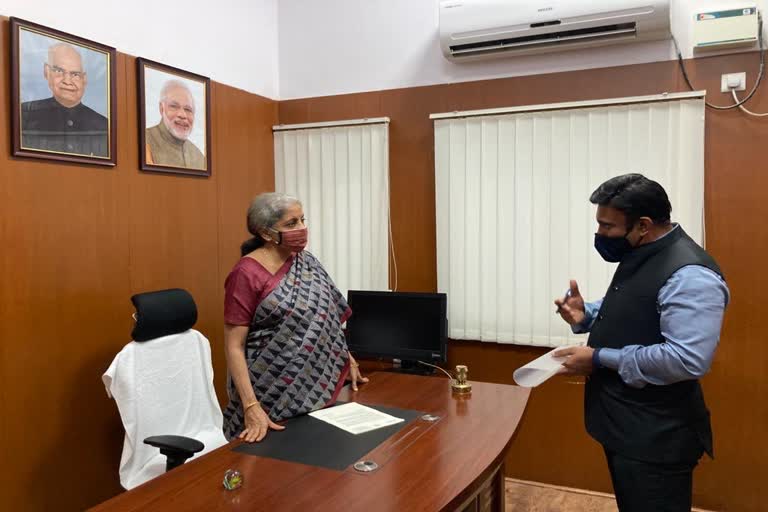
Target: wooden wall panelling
412 183
736 156
64 290
5 260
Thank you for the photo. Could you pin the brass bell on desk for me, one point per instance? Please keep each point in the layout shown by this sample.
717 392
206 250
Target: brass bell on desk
459 385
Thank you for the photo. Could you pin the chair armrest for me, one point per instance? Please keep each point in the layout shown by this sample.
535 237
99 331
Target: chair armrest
177 443
176 448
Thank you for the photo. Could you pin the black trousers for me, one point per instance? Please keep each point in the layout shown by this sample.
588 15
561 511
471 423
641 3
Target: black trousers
647 487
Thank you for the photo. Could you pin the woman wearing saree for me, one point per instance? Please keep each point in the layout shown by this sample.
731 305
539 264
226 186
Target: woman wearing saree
286 351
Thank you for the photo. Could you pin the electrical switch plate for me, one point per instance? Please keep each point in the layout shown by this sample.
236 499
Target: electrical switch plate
728 80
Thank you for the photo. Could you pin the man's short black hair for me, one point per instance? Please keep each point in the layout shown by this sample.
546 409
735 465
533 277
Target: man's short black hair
636 196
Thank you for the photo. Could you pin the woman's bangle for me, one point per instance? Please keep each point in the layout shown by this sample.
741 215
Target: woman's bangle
245 409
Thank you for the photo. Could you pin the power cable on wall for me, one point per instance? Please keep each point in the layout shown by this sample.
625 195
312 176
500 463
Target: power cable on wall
744 109
392 248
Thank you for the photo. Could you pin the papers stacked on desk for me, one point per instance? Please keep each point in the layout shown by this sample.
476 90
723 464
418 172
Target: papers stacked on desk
355 418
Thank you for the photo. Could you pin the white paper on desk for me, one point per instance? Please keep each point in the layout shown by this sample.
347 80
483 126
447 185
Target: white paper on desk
355 418
538 370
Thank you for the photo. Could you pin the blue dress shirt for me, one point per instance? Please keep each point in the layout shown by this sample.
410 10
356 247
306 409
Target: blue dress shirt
691 304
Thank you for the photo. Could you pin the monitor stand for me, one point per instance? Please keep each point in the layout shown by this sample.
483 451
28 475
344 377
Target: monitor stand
412 368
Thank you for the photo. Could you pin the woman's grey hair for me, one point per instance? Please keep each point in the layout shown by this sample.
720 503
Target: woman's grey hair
263 213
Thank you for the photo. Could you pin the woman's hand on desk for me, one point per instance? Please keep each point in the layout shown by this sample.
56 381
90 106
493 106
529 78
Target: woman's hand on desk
354 373
257 424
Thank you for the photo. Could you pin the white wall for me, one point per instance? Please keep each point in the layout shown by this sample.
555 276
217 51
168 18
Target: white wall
341 46
230 41
303 48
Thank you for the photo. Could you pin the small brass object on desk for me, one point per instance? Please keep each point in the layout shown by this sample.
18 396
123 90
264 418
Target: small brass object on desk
460 385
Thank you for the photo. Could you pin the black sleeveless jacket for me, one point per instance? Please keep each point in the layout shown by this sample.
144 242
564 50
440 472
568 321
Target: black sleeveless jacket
659 424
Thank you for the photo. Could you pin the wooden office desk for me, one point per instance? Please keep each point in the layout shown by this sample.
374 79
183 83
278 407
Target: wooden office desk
455 463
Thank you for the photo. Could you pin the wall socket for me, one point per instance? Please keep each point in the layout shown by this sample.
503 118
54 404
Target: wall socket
729 82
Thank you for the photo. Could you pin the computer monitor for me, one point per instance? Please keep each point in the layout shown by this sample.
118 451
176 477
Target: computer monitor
398 325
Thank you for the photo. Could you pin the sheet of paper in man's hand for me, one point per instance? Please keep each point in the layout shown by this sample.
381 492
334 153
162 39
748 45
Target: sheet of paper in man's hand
355 418
538 370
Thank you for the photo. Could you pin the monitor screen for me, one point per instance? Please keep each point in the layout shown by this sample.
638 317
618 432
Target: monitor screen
406 326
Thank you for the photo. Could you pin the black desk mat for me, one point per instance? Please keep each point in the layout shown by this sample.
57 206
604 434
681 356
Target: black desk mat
307 440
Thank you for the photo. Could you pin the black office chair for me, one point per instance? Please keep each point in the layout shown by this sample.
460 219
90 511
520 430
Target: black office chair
167 365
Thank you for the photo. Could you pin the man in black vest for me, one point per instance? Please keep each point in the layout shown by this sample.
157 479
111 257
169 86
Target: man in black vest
652 337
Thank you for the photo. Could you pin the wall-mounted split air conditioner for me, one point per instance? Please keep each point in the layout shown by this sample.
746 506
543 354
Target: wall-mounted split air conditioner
473 29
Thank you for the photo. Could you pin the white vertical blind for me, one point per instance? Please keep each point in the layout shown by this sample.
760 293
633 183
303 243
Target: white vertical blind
341 175
514 222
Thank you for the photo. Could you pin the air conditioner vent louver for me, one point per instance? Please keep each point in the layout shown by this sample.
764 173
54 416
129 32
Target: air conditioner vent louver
551 39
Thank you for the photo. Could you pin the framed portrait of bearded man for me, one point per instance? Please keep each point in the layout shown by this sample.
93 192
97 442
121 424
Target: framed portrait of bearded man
174 120
62 96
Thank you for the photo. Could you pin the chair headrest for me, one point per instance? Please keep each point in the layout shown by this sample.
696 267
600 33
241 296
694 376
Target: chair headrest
162 313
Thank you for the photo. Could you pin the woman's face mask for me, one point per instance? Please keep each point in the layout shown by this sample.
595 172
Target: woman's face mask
295 239
291 230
